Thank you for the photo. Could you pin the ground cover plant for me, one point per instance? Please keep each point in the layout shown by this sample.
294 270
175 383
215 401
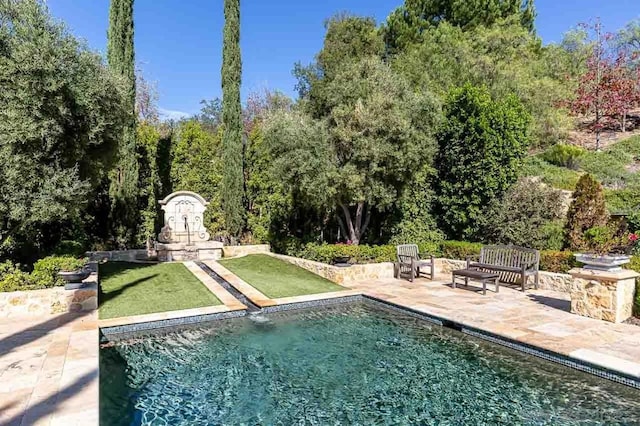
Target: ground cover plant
276 278
135 288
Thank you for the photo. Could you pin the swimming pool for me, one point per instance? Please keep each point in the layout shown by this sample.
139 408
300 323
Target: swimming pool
346 364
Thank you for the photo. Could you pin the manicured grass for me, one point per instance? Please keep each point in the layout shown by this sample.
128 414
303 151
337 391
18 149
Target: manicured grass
276 278
134 289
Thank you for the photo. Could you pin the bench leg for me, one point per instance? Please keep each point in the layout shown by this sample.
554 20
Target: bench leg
466 281
497 283
484 287
453 280
537 280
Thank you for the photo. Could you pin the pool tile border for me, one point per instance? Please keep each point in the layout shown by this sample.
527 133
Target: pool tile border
112 332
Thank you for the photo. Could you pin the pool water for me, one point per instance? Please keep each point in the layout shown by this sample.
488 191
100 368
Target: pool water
348 364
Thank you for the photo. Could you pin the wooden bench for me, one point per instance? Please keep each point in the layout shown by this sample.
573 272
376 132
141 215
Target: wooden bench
409 262
514 264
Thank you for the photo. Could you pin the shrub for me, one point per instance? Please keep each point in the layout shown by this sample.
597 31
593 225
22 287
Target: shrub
587 210
564 155
12 278
523 215
69 248
460 249
556 261
45 271
635 266
557 177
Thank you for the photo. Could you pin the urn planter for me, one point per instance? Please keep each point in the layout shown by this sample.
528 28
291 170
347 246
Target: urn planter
341 261
74 279
605 262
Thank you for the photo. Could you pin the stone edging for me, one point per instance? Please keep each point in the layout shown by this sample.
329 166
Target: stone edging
362 272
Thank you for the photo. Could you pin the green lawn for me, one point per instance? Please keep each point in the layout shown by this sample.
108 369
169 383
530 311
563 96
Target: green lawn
276 278
134 289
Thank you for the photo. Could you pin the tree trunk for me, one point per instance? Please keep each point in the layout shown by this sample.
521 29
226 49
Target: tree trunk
356 226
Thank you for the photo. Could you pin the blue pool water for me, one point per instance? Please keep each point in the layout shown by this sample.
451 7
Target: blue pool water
349 364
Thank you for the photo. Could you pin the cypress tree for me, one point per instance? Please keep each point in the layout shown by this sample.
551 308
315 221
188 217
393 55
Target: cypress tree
233 178
124 186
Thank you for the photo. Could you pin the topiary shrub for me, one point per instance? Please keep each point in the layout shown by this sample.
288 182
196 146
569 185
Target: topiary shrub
557 261
564 155
460 249
587 210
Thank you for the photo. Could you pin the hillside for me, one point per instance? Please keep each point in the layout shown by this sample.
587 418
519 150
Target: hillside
617 167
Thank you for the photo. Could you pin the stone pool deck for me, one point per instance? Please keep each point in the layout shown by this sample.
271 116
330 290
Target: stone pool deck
49 370
540 318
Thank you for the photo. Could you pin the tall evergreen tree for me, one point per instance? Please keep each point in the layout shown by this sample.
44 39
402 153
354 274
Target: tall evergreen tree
233 179
124 186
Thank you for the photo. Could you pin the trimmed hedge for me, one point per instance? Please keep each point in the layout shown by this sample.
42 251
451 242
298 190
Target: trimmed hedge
325 253
460 249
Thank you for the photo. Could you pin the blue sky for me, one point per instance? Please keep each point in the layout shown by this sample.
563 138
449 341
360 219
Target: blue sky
179 43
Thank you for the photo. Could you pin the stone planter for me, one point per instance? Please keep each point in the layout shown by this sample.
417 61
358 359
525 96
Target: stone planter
74 279
606 262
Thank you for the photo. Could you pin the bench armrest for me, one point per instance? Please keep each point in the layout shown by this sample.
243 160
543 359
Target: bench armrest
405 258
528 265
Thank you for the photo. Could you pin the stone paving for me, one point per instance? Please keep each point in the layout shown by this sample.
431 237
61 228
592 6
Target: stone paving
537 317
49 370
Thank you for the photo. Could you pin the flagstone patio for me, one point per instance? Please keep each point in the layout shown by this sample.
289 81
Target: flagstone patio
49 370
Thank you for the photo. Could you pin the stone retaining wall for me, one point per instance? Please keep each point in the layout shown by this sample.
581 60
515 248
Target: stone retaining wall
338 275
547 280
237 251
118 255
48 301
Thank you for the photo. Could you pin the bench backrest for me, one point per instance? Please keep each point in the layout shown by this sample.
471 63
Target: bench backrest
408 250
510 255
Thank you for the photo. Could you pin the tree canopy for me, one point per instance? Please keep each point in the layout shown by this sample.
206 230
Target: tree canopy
407 24
61 117
360 156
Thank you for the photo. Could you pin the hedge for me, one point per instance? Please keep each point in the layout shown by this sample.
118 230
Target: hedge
325 253
460 249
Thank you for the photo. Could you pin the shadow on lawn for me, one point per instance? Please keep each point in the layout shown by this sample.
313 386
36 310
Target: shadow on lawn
105 297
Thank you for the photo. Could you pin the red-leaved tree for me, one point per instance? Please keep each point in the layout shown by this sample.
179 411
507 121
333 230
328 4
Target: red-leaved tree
610 86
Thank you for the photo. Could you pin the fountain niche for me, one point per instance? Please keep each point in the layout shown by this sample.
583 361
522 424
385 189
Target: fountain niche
184 236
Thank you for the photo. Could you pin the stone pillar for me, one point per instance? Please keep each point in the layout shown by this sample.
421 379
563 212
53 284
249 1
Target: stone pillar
603 295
